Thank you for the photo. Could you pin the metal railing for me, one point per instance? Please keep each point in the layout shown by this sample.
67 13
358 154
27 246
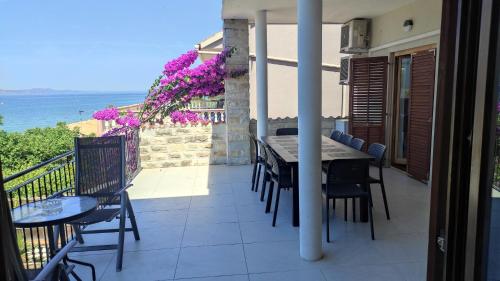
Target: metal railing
54 176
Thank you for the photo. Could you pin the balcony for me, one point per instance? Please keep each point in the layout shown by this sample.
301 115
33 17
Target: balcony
205 222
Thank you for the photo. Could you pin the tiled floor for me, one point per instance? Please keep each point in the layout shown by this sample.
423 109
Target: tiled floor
204 223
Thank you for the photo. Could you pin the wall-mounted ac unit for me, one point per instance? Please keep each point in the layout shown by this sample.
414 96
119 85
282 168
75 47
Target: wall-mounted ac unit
344 70
354 37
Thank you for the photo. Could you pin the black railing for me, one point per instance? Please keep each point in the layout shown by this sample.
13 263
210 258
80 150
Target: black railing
49 178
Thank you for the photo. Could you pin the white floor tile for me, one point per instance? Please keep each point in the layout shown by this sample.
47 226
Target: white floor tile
210 261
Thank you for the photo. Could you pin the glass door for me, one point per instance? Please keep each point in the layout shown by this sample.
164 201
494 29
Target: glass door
403 76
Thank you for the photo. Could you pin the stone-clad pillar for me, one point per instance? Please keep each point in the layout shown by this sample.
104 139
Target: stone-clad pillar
237 93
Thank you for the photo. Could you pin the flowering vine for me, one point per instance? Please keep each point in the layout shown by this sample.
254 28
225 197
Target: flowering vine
172 91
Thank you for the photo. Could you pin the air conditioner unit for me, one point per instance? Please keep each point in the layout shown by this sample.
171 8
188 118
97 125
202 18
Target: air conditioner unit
354 37
344 70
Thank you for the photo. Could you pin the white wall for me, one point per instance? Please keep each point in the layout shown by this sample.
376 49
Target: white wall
282 93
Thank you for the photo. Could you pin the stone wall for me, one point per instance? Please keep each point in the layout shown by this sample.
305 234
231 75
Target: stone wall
170 146
327 125
237 93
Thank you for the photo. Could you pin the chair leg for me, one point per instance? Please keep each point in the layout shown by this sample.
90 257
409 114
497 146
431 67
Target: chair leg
264 183
370 213
277 202
121 234
333 203
354 209
328 219
345 209
385 200
270 197
133 222
254 173
258 179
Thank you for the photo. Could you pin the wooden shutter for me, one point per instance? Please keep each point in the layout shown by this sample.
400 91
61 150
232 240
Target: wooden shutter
368 90
423 66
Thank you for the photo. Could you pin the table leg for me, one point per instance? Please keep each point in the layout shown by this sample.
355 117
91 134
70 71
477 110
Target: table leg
295 190
52 243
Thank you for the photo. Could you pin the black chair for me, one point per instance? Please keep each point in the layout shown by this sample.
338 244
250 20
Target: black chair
267 167
345 139
281 174
347 179
258 163
357 144
377 150
100 173
287 131
336 135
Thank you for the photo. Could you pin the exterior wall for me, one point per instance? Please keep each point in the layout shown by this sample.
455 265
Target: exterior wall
237 94
282 87
426 16
164 146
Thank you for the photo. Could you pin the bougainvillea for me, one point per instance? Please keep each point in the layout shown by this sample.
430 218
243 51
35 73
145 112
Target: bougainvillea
173 91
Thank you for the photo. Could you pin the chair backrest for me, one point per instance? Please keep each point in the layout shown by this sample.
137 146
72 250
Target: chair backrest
347 171
263 151
336 135
377 150
100 168
357 143
345 139
287 131
255 145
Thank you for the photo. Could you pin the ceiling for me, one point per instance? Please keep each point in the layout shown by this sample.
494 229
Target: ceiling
284 11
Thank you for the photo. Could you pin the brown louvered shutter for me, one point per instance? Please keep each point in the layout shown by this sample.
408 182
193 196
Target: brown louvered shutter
423 66
368 88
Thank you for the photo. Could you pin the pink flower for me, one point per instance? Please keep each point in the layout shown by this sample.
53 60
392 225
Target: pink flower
106 114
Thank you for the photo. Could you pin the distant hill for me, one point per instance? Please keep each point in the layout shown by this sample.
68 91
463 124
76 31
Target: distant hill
35 91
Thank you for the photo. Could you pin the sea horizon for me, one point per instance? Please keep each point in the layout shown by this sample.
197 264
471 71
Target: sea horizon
39 108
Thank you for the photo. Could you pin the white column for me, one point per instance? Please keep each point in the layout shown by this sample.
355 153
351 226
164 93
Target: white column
309 14
261 68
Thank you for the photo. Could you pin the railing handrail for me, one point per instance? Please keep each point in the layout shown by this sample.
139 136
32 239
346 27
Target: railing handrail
37 166
207 109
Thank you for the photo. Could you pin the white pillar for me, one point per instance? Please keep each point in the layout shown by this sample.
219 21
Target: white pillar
309 14
261 67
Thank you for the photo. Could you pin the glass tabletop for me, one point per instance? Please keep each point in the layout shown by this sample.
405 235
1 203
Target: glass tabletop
53 211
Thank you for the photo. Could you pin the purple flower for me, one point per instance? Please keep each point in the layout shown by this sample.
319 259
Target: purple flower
106 114
184 61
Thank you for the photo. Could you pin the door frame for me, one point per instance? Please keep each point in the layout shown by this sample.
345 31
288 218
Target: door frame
457 199
395 81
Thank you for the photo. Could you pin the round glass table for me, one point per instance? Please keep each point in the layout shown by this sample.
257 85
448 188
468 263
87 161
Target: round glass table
54 213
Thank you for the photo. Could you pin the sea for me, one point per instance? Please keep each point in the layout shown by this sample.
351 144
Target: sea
25 109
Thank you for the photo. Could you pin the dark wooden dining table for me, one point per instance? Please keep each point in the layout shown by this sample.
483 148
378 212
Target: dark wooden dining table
287 148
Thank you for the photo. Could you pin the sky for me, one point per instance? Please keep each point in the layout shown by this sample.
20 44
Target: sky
107 45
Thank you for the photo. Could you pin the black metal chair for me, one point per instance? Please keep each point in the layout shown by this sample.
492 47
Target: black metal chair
267 166
281 174
357 144
258 163
100 173
336 135
287 131
347 179
345 139
377 150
